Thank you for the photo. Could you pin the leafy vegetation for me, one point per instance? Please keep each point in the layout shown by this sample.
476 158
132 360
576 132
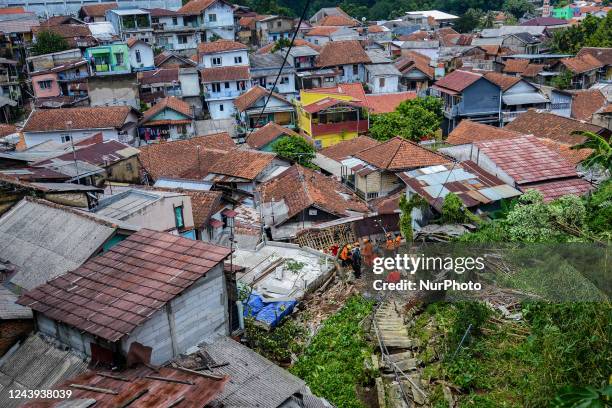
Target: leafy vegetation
602 151
278 344
333 362
406 206
591 32
518 364
295 149
48 42
413 119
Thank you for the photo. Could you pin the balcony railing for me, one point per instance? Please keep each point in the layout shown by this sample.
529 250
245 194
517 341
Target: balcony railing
510 116
330 128
72 77
222 94
101 69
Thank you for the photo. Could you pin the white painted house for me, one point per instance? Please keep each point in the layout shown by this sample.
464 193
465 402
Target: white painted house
213 19
61 125
174 307
141 55
382 78
225 76
171 32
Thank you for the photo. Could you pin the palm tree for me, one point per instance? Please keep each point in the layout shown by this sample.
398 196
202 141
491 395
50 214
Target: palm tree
602 151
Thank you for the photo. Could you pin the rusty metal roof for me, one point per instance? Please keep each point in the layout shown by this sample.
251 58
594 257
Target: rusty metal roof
470 183
145 386
110 295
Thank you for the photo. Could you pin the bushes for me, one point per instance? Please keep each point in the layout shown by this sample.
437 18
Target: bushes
277 344
332 364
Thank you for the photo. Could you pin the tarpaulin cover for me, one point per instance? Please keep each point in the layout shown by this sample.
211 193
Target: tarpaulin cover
269 313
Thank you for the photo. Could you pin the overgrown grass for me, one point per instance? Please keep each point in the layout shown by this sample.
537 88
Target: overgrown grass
332 365
519 364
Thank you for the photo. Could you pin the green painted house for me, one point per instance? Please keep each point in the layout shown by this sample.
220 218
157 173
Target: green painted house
565 13
109 59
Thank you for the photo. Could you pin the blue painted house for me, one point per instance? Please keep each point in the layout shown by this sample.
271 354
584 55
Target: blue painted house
169 118
468 95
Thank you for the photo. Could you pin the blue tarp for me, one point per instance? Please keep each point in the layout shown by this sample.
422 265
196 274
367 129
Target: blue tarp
269 313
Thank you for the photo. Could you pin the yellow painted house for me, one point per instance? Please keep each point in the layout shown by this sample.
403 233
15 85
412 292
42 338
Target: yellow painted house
332 115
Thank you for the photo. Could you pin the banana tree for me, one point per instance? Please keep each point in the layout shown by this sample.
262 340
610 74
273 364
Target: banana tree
601 156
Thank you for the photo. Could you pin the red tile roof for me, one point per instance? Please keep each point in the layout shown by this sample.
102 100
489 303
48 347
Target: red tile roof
526 159
170 102
267 134
571 155
532 70
197 6
99 117
300 188
321 31
400 154
550 126
457 80
515 66
204 204
158 76
555 189
98 10
244 164
74 34
585 103
376 29
12 10
189 158
348 148
220 74
326 103
584 63
469 132
337 21
189 388
413 60
354 90
385 103
505 82
220 46
250 97
6 129
342 53
114 293
601 54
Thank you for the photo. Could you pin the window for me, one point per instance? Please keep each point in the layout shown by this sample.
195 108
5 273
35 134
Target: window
279 23
284 80
227 85
381 82
221 108
240 85
329 79
212 17
216 87
138 57
119 58
44 84
178 217
182 39
216 61
174 21
355 69
128 166
65 137
237 60
316 42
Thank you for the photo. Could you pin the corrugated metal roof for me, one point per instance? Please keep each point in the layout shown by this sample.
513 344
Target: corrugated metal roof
37 364
524 98
45 240
9 309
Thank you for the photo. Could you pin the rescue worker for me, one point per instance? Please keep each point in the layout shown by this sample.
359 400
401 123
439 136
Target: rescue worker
398 243
368 252
345 256
389 245
356 260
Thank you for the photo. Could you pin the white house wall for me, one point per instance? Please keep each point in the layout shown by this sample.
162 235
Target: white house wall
227 59
146 56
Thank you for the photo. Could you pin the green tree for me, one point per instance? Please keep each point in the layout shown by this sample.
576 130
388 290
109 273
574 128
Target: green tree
518 8
48 42
453 211
296 149
572 39
563 80
469 21
280 44
601 157
413 120
489 19
602 37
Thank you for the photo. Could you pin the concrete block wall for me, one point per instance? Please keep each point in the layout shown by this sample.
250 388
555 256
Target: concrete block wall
154 333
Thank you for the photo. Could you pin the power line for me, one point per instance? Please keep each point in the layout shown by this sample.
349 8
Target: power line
280 71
